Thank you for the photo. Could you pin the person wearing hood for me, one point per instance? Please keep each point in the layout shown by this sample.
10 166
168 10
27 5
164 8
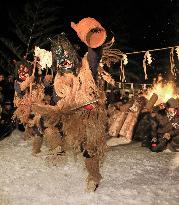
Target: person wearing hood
167 128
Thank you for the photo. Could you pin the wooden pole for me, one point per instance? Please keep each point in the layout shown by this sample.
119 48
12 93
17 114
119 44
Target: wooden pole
33 73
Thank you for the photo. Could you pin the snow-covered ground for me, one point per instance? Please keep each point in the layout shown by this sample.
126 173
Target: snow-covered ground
131 175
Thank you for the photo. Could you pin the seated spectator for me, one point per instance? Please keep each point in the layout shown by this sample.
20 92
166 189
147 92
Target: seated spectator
167 128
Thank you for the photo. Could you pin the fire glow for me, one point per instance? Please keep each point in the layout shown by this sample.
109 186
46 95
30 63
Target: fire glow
164 91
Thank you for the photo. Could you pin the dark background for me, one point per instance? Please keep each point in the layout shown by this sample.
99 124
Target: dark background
136 25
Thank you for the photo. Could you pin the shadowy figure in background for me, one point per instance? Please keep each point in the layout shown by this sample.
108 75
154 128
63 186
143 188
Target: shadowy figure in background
7 125
7 112
125 98
9 89
167 128
2 82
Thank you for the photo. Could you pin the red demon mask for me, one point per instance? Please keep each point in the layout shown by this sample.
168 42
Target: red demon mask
23 72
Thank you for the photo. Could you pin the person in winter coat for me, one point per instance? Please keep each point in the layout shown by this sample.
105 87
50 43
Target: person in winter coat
167 128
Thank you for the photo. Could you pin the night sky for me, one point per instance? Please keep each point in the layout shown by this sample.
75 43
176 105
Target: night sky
136 25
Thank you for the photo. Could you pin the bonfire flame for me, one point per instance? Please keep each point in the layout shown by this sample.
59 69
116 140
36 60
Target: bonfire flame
164 91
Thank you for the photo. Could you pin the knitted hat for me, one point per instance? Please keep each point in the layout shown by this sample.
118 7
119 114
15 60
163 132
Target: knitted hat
172 103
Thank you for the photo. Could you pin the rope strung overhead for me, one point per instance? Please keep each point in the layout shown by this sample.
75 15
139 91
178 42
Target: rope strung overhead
148 60
156 49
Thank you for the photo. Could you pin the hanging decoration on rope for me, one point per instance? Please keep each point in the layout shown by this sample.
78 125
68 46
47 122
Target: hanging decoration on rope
149 57
177 51
147 60
122 73
145 67
124 61
172 63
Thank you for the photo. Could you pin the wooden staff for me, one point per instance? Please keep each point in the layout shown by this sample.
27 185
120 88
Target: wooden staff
33 73
51 72
46 70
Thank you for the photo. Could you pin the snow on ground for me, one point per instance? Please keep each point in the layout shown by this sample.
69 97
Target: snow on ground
131 175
